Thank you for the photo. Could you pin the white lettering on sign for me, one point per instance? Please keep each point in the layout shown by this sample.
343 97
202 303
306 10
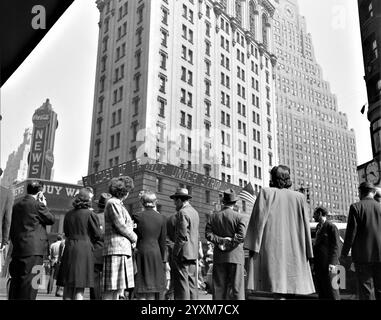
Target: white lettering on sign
71 192
36 157
35 169
18 191
39 134
37 152
37 146
40 117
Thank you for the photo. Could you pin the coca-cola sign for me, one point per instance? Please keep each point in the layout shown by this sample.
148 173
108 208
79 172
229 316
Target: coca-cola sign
41 118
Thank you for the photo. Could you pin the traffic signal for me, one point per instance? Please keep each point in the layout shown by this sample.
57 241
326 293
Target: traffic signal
308 195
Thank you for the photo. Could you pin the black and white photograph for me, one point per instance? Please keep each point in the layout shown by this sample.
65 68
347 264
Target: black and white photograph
190 150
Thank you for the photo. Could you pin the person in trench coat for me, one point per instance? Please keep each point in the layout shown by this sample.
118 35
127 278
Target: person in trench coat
279 240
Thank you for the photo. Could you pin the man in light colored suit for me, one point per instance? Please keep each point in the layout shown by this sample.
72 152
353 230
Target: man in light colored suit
226 230
185 250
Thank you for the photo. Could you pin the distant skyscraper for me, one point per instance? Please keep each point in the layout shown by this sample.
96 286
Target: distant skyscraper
188 83
41 157
313 136
16 169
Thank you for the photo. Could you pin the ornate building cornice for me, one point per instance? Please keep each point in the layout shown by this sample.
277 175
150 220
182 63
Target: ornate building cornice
217 8
234 23
267 5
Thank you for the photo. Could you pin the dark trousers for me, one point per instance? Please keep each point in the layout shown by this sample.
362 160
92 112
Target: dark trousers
20 269
185 280
324 283
369 280
96 292
228 281
53 268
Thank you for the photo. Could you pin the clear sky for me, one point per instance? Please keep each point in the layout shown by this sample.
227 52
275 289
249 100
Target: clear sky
62 68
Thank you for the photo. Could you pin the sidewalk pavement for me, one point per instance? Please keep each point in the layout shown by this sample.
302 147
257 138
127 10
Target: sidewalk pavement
42 295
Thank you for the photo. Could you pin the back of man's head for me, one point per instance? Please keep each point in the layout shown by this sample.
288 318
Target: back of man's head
365 189
34 187
321 210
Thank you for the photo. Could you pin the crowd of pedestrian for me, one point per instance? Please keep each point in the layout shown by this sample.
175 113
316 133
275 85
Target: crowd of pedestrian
146 255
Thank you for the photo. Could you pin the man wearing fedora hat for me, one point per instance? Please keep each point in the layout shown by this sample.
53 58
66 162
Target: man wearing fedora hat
185 249
226 230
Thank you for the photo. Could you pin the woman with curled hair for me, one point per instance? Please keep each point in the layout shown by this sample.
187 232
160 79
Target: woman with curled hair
279 240
119 238
280 177
81 229
150 250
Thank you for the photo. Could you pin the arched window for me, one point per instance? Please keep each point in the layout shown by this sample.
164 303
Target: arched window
264 30
238 11
252 17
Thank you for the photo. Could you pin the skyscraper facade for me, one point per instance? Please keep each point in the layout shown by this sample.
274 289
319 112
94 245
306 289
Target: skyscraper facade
313 135
189 83
370 26
16 169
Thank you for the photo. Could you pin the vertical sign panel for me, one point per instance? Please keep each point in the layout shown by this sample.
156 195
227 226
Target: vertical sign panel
37 153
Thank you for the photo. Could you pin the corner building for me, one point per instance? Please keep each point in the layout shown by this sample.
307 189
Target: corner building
313 136
189 83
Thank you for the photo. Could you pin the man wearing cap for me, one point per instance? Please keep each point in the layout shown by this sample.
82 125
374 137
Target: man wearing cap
185 249
96 291
226 230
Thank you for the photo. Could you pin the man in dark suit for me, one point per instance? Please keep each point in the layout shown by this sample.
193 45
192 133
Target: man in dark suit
363 235
326 255
96 292
185 249
226 230
30 216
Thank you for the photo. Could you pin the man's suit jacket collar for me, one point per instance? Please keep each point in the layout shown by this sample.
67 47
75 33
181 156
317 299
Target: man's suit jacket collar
29 197
226 208
185 205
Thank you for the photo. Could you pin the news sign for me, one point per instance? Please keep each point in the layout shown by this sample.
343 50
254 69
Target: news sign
36 157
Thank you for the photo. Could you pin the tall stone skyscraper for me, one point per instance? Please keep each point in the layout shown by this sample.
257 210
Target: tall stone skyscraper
41 157
16 169
313 135
189 83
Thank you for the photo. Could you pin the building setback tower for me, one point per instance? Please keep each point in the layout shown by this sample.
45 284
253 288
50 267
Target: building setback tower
189 83
16 169
41 157
313 136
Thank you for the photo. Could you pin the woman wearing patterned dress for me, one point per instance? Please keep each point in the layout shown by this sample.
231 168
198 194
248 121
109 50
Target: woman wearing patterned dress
119 237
